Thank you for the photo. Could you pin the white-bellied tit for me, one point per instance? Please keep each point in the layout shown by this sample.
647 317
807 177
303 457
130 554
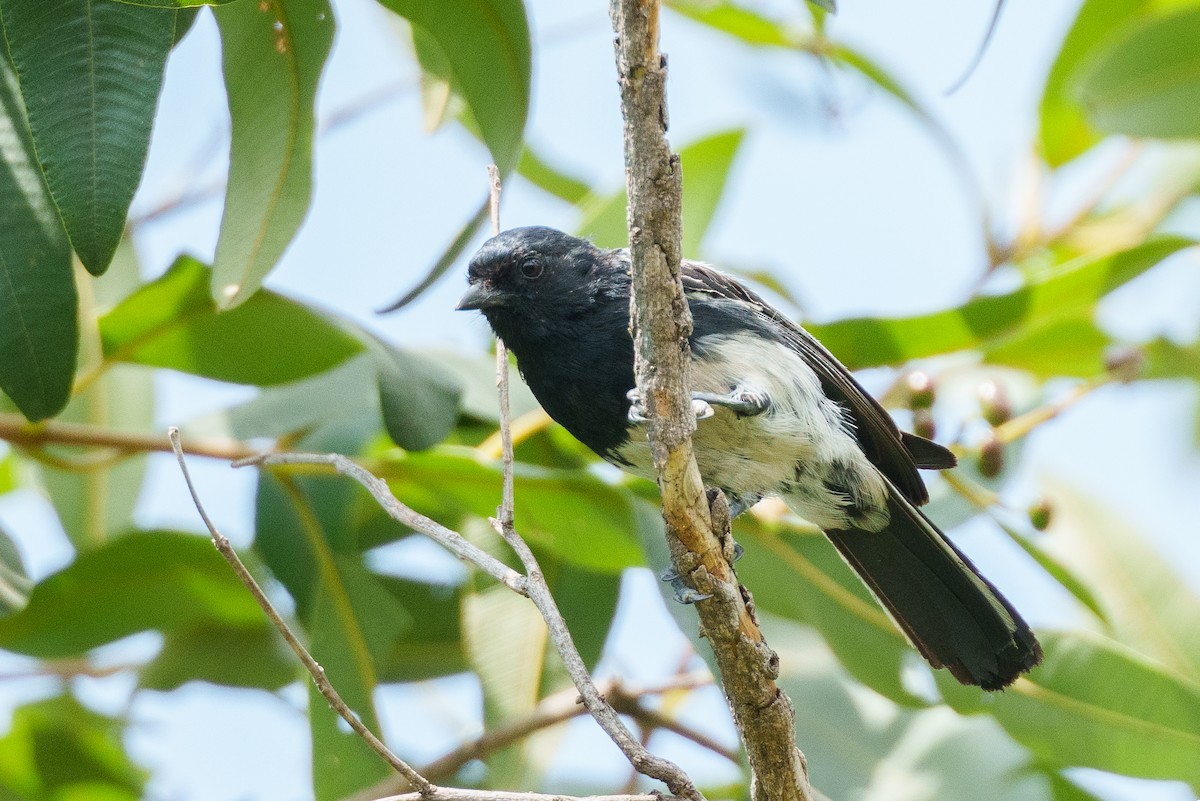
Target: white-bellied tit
784 418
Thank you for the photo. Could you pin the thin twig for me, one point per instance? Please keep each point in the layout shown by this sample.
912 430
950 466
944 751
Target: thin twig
454 794
423 785
18 431
507 504
551 711
450 540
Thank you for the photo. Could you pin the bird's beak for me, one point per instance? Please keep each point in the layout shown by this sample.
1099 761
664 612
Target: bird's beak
479 296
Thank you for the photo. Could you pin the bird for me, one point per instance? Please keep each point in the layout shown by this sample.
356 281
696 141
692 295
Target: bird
781 416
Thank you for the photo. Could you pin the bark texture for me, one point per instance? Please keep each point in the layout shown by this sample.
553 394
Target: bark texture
697 532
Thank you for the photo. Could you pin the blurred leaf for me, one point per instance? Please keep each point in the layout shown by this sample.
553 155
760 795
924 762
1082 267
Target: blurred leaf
234 656
705 165
1060 570
418 398
860 745
1094 703
436 89
14 581
274 53
349 390
143 580
587 600
9 473
1166 359
709 161
573 514
175 3
1148 604
505 639
942 756
1065 132
1072 346
39 330
737 21
268 340
799 576
477 376
486 43
304 531
1147 83
537 171
95 503
59 749
432 644
90 72
341 762
1062 292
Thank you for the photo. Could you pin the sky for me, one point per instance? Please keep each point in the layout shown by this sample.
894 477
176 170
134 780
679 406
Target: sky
856 211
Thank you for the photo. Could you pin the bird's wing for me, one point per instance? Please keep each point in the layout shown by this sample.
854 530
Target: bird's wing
897 454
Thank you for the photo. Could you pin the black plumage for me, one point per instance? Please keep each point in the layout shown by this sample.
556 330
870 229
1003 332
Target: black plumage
788 419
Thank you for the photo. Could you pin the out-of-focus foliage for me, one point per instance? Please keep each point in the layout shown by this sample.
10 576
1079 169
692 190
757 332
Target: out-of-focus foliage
1120 692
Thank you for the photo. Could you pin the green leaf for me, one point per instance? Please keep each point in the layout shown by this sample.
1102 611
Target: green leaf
477 376
418 398
59 749
234 656
14 581
90 72
572 513
1065 132
737 21
267 340
274 53
486 43
94 504
1147 602
705 164
587 600
1147 83
549 179
39 330
144 580
1093 703
1063 291
1072 346
431 645
348 391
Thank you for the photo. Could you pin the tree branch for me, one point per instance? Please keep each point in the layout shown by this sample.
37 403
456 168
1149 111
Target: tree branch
662 323
426 788
17 430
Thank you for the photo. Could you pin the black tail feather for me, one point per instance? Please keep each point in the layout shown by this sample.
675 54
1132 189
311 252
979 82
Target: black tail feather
952 614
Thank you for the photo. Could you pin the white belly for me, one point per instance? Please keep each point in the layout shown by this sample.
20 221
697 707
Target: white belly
801 448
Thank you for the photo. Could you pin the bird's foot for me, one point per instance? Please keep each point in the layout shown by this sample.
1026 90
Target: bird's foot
683 593
742 400
637 410
739 504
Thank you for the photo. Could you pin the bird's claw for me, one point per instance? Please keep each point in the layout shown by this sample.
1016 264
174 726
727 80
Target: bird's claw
683 593
637 410
743 400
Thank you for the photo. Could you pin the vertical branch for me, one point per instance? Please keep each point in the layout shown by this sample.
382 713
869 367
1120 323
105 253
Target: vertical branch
661 326
507 502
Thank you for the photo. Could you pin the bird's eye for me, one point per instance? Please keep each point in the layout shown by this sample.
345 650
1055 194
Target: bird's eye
531 267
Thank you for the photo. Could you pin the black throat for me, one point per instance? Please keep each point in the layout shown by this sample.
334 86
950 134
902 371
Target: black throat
579 367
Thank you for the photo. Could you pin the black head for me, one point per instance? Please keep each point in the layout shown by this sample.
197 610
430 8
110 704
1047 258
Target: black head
537 274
